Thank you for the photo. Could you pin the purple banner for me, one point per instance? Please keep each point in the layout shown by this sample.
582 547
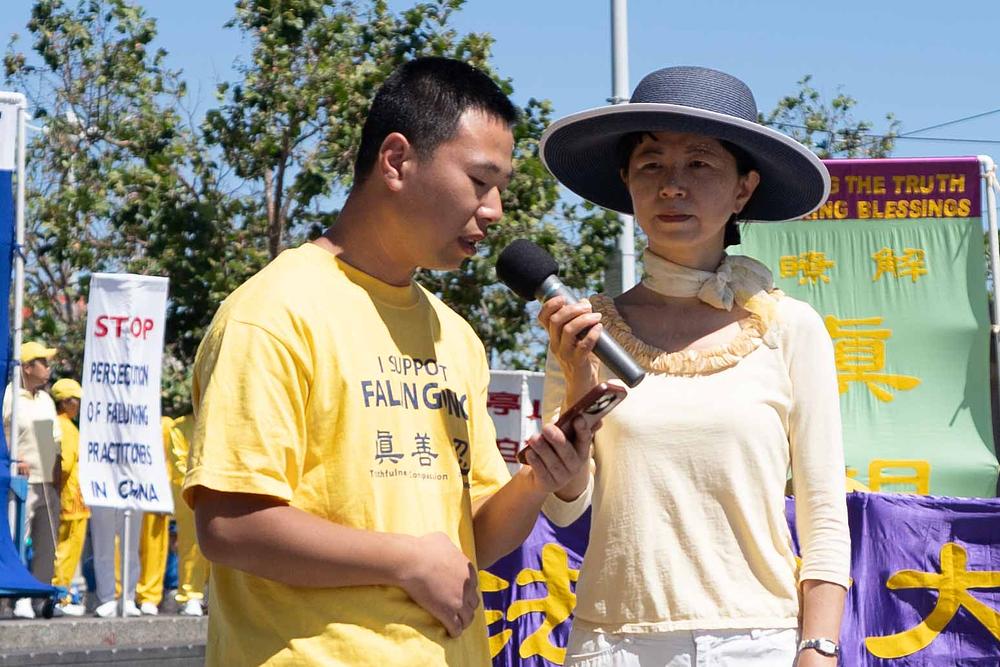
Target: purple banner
925 586
529 595
896 189
926 581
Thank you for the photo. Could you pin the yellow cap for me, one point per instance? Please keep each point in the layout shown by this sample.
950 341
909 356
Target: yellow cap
33 350
66 388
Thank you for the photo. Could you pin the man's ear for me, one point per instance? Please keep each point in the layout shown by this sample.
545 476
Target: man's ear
394 152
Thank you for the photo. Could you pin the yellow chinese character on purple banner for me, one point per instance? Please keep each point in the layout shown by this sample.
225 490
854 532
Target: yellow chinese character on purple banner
490 583
860 355
810 265
912 263
556 606
952 584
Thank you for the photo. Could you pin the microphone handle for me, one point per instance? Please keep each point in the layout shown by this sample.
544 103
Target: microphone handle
607 349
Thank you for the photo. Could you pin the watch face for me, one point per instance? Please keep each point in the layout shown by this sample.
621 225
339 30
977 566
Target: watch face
825 647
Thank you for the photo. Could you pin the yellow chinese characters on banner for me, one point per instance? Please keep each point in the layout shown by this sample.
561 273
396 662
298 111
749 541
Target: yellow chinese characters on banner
912 263
811 266
860 356
952 584
556 606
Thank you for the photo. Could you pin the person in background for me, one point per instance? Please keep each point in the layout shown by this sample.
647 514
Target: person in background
690 558
73 512
154 543
192 567
107 539
38 451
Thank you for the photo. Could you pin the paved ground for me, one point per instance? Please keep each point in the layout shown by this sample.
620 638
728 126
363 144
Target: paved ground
150 641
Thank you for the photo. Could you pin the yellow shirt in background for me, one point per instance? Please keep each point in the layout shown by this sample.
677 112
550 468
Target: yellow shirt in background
70 498
358 402
167 428
181 436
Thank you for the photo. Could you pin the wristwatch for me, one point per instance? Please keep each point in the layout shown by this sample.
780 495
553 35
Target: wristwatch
821 645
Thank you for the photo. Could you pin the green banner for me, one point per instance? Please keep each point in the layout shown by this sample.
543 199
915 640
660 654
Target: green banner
905 303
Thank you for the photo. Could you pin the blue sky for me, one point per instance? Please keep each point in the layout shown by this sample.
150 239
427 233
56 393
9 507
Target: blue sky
914 59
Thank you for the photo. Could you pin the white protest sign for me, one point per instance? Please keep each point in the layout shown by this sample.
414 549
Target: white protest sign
8 136
514 402
122 461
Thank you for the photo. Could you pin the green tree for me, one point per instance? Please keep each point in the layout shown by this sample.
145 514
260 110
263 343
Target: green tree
122 180
118 181
829 128
290 127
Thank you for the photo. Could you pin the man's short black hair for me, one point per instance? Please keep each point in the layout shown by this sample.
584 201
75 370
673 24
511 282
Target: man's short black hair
423 100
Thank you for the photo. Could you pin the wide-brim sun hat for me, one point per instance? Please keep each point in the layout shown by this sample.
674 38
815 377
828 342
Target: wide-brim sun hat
581 150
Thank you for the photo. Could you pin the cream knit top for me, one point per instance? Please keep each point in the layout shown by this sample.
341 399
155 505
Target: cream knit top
688 528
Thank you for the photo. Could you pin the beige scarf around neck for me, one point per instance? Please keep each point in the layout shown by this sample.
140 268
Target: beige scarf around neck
738 280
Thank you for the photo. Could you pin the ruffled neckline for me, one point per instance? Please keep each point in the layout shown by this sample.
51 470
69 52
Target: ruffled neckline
684 362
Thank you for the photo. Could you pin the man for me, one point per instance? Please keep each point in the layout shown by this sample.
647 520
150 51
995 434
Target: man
38 444
73 512
344 474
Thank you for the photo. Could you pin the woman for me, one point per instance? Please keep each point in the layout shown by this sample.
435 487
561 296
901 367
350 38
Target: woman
690 558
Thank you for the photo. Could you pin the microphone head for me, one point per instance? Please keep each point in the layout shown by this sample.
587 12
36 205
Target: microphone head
523 266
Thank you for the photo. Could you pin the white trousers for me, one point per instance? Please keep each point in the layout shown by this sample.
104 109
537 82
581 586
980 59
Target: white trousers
106 523
697 648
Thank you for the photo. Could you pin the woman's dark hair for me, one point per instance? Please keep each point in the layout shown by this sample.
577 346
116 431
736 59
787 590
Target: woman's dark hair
423 100
744 165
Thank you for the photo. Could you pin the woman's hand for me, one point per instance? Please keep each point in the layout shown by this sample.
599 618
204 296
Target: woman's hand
573 332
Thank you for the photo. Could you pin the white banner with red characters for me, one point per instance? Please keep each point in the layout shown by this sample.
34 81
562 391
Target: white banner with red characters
515 403
122 461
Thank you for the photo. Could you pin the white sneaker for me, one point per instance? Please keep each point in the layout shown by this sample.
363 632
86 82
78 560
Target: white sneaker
192 608
131 609
107 610
149 609
23 608
71 609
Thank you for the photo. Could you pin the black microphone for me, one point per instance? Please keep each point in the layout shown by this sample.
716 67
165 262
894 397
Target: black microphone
530 272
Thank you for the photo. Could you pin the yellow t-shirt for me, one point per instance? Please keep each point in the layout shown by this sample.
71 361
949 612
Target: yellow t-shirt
355 401
70 497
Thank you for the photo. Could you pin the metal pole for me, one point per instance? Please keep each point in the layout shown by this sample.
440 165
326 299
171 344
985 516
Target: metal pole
18 322
15 354
126 549
619 95
988 170
522 432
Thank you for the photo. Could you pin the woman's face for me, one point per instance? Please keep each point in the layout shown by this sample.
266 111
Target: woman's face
684 189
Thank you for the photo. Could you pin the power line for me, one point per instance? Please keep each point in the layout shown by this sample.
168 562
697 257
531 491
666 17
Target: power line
951 122
904 136
964 141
